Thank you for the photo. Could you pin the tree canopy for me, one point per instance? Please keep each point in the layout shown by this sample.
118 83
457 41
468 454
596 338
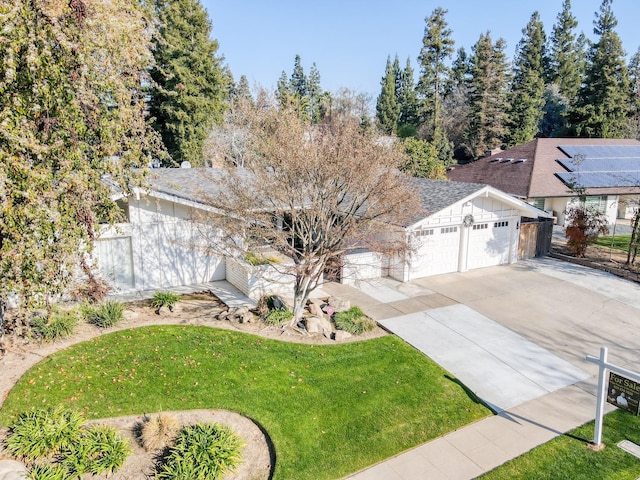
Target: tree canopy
72 115
190 88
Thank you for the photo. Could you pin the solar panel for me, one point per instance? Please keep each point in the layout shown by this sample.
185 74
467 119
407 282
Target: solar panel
622 164
602 151
600 179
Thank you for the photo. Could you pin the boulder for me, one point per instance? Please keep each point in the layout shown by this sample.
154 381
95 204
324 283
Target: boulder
12 470
247 318
317 325
339 304
341 336
317 301
315 310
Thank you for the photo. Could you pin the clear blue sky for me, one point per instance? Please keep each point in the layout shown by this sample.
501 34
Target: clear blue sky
349 40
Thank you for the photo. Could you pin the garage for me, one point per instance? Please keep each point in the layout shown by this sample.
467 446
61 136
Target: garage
489 244
437 251
467 226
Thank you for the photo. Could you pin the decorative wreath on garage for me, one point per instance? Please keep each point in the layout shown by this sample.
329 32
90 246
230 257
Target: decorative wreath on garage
468 220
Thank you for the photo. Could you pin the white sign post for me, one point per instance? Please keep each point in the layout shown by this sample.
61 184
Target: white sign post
604 365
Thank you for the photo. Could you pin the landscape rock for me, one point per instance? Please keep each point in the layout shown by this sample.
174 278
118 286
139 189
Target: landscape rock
247 318
315 310
317 325
12 470
317 301
341 336
339 304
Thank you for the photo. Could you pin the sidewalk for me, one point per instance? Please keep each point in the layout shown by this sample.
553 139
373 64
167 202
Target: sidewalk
486 444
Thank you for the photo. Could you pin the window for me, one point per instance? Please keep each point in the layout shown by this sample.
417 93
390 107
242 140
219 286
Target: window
449 230
424 233
501 224
596 202
538 203
480 226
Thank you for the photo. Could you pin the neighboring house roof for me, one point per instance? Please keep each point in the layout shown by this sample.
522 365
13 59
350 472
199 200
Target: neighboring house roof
195 185
535 169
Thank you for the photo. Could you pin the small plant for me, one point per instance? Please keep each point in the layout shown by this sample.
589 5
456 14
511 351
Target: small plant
255 259
47 471
164 299
105 315
584 226
158 432
58 325
99 449
202 452
278 316
353 321
43 433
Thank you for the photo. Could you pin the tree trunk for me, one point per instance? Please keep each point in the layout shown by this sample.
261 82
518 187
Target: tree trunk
634 238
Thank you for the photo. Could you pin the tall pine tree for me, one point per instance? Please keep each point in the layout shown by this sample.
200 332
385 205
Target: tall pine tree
567 55
527 87
387 107
408 101
488 95
437 48
603 109
189 88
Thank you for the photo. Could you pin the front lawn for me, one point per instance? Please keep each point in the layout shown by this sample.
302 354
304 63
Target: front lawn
329 410
568 457
620 242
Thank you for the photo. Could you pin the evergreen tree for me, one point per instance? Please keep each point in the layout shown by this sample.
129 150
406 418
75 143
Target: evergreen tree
298 80
71 111
556 106
189 86
567 55
527 87
317 97
602 109
437 48
387 107
488 95
240 91
424 161
634 75
408 101
282 90
460 72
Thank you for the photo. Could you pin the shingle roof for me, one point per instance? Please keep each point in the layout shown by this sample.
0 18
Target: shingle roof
436 195
191 184
535 177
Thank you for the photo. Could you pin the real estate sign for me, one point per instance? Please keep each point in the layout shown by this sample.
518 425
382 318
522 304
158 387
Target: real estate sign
623 392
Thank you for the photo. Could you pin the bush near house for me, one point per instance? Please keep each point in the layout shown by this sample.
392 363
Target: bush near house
353 321
58 325
105 315
164 299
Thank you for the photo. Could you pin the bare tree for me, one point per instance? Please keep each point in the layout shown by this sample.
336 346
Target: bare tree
312 193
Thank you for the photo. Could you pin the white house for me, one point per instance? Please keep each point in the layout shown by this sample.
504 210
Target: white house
466 226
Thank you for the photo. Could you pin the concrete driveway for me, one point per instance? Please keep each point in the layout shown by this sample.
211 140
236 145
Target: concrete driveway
511 333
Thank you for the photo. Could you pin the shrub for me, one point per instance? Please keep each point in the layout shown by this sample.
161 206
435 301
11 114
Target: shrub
353 321
58 325
105 315
158 432
584 225
99 449
255 259
278 316
202 452
164 299
43 433
47 471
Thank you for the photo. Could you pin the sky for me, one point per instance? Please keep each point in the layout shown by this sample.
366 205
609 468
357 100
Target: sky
350 40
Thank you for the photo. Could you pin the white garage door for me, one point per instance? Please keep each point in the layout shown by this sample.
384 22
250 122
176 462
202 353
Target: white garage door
437 252
488 244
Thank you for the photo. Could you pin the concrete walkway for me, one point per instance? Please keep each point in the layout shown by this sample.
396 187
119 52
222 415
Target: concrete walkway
551 313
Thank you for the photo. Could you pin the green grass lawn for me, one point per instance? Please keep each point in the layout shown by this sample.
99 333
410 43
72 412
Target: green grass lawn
568 457
620 242
330 410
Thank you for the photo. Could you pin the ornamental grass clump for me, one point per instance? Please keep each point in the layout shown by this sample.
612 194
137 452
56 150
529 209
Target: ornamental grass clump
164 299
105 315
204 451
278 316
99 449
43 433
58 325
158 432
48 471
353 321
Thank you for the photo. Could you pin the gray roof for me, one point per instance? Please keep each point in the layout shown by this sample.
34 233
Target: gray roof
199 185
192 184
436 195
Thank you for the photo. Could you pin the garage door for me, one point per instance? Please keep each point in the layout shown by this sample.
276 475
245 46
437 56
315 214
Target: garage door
488 244
437 251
